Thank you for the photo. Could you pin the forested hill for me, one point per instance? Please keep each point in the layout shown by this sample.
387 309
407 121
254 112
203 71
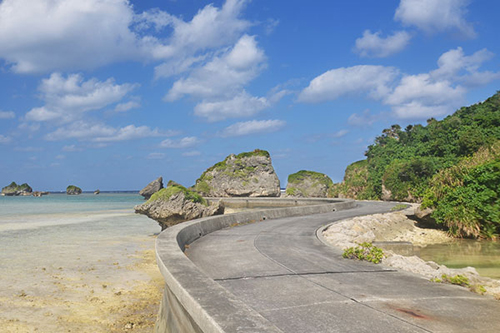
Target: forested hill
452 166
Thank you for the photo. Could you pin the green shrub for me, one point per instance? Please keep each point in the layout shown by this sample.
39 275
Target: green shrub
466 197
366 252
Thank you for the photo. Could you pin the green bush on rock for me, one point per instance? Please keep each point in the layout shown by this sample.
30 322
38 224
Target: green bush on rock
174 188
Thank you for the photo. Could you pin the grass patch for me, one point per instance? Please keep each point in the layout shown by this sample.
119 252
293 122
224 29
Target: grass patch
166 193
398 207
460 280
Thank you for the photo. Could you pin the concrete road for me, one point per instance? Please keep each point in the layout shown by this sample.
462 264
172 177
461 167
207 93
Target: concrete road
281 270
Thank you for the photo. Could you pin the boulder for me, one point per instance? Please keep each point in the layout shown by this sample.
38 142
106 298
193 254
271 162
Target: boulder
152 188
14 190
73 190
249 174
175 204
308 184
96 192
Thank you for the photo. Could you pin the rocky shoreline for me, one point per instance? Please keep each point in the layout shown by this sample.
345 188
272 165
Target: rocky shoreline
398 227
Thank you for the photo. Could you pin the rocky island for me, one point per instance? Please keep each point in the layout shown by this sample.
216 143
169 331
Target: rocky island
152 188
15 190
73 190
308 184
249 174
175 204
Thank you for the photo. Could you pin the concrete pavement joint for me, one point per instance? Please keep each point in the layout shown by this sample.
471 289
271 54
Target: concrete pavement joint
300 274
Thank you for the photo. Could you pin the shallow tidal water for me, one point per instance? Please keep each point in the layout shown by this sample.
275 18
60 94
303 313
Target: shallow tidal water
77 263
482 255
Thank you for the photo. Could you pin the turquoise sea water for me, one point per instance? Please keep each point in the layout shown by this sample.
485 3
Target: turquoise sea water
58 226
18 213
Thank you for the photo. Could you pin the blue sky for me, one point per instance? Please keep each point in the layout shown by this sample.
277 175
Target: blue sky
111 94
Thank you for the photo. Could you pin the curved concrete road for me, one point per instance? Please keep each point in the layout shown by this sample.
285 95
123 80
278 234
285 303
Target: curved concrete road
280 269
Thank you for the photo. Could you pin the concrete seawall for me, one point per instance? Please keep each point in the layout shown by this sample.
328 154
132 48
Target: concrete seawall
192 302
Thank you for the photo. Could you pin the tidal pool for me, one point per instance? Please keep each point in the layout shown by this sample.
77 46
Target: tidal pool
482 255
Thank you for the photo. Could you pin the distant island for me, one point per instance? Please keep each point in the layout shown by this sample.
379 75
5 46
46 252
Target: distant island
451 166
73 190
15 190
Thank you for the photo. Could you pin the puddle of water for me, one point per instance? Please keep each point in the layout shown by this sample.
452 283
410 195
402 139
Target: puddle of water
482 255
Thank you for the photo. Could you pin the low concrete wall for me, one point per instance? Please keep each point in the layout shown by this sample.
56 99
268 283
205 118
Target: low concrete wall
269 202
193 302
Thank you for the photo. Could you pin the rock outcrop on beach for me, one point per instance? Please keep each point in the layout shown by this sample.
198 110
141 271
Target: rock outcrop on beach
15 190
73 190
308 184
249 174
175 204
152 188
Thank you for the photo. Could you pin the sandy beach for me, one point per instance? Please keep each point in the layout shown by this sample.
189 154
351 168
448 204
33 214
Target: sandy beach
86 296
96 273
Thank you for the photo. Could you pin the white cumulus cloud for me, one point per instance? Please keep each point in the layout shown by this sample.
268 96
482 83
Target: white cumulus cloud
374 80
68 98
102 133
47 35
434 16
372 45
419 96
223 75
455 65
252 127
124 107
210 29
440 91
241 105
39 36
186 142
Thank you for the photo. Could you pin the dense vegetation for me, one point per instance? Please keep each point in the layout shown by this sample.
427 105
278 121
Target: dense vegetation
452 166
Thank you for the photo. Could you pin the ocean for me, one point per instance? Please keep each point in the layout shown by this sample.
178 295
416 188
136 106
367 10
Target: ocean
64 259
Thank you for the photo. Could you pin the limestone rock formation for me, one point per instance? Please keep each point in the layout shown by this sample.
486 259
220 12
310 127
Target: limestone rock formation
176 204
249 174
96 192
308 184
14 190
152 188
73 190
